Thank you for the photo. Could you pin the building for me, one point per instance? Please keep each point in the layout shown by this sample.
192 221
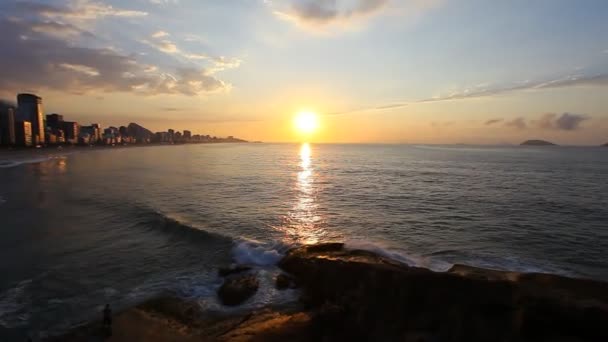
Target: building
92 134
187 135
54 121
71 130
23 133
30 109
7 127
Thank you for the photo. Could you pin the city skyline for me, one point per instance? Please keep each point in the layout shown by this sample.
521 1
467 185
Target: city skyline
24 124
375 71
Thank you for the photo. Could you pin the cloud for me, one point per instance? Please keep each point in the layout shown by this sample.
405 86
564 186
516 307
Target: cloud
518 123
564 122
324 11
598 80
493 121
37 60
81 9
218 63
160 34
320 13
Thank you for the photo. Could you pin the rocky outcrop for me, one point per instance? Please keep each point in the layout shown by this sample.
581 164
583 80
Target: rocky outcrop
380 299
227 271
284 281
537 143
238 288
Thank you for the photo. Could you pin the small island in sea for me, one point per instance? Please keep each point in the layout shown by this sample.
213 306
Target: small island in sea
536 142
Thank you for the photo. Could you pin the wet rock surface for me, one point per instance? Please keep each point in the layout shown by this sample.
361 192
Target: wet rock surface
350 295
382 300
236 289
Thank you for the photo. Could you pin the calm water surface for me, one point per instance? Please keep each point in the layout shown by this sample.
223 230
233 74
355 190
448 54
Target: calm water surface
82 228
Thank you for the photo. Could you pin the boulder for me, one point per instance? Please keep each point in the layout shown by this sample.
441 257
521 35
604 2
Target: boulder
284 281
380 299
238 288
234 269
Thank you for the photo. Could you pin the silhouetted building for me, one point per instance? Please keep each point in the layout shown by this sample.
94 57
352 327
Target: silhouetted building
187 135
123 131
30 109
71 131
171 133
23 133
7 127
54 121
90 134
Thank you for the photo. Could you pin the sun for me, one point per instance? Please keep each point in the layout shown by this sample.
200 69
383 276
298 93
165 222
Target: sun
306 122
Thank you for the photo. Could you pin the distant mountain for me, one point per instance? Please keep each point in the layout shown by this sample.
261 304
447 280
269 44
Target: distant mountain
606 144
537 143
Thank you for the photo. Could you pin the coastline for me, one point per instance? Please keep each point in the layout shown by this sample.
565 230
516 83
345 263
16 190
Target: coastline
361 295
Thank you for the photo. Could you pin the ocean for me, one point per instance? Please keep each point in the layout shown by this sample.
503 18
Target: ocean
81 228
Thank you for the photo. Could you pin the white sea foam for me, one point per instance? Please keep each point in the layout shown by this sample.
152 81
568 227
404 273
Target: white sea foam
252 252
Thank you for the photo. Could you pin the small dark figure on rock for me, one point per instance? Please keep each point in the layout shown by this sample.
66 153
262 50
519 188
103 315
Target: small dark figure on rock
107 320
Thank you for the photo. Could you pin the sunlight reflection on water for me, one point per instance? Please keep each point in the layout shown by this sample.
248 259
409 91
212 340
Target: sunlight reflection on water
303 223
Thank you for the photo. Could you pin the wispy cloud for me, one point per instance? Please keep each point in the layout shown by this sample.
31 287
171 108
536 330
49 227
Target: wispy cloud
564 122
160 34
324 15
489 90
493 121
326 11
550 121
519 123
83 9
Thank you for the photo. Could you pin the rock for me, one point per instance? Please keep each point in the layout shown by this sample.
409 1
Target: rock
537 143
237 289
284 281
226 271
379 299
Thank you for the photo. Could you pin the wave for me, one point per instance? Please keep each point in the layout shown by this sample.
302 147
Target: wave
253 252
13 305
156 220
9 163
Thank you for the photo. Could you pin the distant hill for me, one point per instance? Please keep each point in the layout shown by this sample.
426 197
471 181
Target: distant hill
537 143
606 144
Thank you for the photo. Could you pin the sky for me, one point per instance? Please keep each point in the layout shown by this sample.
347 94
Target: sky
375 71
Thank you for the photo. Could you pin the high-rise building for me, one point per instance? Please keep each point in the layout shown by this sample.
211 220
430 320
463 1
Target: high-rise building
23 133
54 121
7 127
30 109
187 135
71 130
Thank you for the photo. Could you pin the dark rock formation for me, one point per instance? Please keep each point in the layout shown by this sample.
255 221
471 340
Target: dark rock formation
537 143
238 288
226 271
360 295
284 281
605 145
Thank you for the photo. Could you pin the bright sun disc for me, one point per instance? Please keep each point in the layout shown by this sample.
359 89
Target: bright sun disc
306 122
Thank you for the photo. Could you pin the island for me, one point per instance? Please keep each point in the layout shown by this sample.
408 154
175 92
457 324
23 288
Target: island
378 299
537 143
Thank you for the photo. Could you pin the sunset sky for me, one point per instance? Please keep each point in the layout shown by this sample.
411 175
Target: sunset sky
412 71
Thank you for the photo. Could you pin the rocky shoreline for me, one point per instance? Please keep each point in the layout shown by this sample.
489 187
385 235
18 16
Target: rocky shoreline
355 295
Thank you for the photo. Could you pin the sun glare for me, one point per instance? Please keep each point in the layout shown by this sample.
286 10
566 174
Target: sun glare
306 122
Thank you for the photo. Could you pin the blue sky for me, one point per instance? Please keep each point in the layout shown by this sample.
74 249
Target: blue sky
436 71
